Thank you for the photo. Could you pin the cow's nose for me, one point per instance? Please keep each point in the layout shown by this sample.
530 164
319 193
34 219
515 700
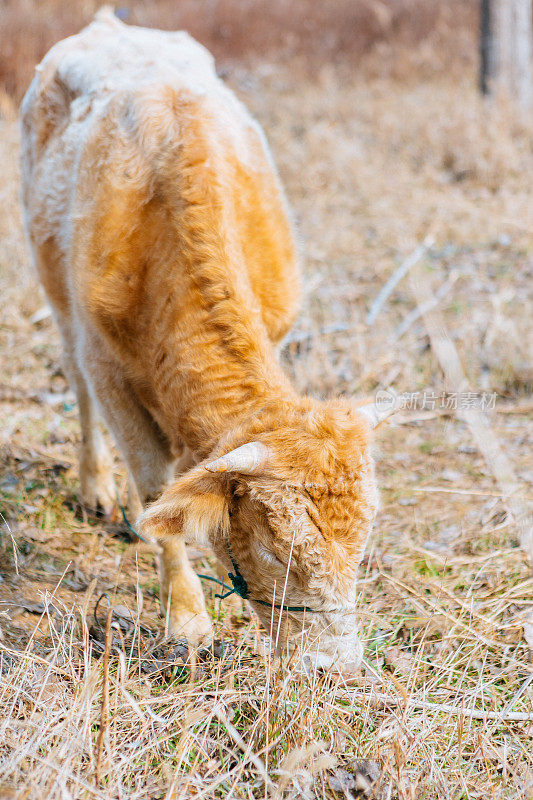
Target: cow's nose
317 660
346 669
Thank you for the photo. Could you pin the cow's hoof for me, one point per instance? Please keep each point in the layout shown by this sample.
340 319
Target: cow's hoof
98 494
190 625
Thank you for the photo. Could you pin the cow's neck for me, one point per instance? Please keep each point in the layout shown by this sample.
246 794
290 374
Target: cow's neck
227 395
221 368
219 372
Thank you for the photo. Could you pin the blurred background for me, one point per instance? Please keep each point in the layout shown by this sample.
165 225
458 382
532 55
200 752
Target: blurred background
388 37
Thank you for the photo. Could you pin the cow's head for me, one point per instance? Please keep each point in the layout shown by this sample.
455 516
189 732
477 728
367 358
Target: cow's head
289 510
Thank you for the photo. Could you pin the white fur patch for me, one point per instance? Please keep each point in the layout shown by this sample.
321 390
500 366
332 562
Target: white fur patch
266 555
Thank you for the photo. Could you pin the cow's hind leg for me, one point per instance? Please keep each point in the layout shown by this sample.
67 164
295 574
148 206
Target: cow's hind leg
97 487
95 462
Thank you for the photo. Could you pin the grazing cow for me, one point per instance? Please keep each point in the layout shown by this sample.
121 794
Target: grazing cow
160 232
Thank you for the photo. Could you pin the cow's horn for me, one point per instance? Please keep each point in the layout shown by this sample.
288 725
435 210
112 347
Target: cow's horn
387 405
248 459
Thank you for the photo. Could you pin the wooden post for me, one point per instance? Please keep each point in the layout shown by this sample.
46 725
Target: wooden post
506 35
487 49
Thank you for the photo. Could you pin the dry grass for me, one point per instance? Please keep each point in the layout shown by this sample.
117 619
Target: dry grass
444 702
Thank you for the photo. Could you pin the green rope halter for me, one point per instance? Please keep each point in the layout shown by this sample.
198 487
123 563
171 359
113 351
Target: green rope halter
240 588
238 581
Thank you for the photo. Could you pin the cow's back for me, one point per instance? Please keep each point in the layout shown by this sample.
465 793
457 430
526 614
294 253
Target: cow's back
104 121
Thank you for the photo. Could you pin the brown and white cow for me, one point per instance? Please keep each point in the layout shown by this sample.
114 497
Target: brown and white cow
160 232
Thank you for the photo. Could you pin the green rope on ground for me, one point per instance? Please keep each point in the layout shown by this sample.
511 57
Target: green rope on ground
127 523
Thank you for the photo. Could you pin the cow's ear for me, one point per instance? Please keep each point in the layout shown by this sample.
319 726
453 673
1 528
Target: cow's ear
193 507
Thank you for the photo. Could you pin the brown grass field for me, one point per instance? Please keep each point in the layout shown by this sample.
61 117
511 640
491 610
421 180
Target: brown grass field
443 708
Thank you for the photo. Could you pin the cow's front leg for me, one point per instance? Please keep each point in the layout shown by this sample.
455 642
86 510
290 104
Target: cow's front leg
182 598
